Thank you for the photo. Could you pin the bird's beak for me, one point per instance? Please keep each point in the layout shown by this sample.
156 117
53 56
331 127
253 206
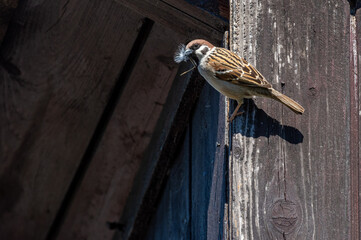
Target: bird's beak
188 52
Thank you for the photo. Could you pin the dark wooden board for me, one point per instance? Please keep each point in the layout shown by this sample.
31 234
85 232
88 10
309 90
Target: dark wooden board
203 183
7 9
147 186
216 7
180 16
290 174
208 166
60 62
108 180
172 218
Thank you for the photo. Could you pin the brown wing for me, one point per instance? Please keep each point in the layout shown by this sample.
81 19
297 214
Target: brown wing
230 67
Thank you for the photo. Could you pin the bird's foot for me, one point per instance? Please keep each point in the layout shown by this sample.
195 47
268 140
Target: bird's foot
234 115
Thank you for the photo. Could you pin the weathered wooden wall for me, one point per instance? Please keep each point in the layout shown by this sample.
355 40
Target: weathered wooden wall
291 176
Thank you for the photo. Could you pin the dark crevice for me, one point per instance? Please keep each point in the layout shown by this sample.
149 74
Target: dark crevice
354 5
284 178
101 126
191 16
190 180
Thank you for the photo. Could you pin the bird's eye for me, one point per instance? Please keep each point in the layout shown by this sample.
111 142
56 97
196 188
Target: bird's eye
195 46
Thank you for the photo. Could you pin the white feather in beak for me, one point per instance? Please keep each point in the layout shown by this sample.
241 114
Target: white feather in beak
182 54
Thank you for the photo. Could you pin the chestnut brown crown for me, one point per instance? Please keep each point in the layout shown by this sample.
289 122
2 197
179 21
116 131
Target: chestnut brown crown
196 43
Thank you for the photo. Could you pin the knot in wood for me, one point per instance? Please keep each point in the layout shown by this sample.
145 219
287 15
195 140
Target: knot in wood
284 216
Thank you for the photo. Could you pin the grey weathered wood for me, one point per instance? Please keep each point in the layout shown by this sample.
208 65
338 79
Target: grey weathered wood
180 16
172 218
60 62
355 110
290 174
108 181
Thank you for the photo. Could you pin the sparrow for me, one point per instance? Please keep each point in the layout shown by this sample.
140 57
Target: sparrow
230 74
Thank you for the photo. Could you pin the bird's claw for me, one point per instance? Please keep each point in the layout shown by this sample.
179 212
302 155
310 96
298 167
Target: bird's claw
234 116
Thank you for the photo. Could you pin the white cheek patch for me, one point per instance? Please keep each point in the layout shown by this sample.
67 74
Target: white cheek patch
202 51
182 54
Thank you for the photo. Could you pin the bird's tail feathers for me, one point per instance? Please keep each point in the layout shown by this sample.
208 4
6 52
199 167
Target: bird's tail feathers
290 103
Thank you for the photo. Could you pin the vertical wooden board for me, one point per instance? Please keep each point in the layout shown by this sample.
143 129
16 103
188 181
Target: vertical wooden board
172 218
60 61
207 171
217 195
109 179
355 167
289 174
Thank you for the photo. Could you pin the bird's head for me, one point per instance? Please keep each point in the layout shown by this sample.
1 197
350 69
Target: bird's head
195 49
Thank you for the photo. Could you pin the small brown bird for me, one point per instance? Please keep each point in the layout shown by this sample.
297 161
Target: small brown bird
230 74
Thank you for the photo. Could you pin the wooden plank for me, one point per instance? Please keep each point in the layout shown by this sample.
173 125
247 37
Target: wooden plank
180 16
355 78
354 134
61 60
172 219
147 186
108 181
207 12
289 174
208 181
204 195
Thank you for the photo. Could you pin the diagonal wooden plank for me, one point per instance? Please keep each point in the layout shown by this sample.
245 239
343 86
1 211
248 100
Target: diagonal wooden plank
104 190
61 60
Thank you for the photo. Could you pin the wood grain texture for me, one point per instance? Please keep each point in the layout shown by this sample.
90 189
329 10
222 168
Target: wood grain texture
180 16
290 174
61 60
108 181
355 70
